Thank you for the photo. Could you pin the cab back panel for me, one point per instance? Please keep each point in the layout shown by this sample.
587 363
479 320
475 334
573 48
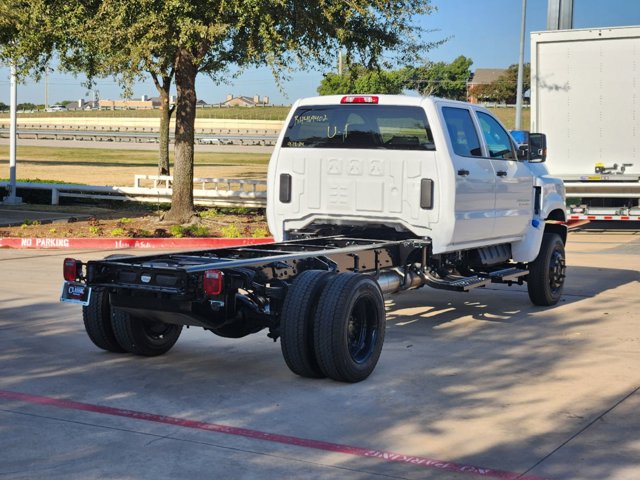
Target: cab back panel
357 185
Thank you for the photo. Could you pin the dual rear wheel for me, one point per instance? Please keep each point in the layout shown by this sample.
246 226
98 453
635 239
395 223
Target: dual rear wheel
117 331
333 325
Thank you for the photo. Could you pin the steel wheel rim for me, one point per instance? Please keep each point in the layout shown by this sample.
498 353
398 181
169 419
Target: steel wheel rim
557 271
362 331
156 331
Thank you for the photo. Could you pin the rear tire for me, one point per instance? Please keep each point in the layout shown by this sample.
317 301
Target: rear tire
349 327
296 321
547 272
97 321
144 337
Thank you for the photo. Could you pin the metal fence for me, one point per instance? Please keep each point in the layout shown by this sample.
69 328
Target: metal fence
219 192
144 135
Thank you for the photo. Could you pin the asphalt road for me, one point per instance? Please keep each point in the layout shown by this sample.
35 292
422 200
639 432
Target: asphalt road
28 142
478 385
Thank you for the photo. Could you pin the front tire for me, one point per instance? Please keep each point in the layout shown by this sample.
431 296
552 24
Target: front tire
349 327
547 272
97 322
144 337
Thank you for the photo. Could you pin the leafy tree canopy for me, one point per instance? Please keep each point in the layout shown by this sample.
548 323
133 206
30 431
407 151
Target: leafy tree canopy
448 80
441 79
505 87
359 79
189 37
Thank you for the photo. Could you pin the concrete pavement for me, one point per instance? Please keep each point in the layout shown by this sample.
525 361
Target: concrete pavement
478 385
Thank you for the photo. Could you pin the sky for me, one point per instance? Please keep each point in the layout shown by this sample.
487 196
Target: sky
487 31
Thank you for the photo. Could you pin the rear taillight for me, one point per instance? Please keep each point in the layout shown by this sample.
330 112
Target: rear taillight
70 269
213 282
359 99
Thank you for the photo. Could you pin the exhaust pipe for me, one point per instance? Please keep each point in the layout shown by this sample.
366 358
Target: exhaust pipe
392 281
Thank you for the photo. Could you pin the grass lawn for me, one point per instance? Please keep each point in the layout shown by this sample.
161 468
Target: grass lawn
506 114
117 167
234 113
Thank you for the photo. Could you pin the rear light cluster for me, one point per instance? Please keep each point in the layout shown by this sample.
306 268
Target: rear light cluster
359 99
213 282
71 269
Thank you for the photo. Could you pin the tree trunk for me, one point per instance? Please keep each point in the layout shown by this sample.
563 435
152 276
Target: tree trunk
165 117
182 207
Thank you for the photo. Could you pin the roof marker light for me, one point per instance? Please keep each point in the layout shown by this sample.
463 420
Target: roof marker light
359 99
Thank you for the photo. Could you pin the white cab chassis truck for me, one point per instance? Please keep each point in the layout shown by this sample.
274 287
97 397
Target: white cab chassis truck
367 195
585 94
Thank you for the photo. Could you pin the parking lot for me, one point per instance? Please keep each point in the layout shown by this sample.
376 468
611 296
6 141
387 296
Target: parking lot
477 385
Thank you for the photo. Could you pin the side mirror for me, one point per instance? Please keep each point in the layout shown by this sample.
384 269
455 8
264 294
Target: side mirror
537 147
531 146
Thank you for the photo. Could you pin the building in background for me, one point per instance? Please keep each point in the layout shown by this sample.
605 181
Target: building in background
243 101
479 78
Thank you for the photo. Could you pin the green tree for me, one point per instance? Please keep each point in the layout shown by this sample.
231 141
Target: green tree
193 37
209 37
24 42
131 55
358 79
504 88
441 79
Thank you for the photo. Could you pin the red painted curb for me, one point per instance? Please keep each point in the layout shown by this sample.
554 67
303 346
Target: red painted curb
116 243
382 455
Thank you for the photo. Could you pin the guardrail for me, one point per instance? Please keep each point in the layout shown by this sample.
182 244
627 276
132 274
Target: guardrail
218 192
142 136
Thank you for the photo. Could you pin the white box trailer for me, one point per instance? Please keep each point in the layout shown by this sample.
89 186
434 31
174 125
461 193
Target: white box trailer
585 95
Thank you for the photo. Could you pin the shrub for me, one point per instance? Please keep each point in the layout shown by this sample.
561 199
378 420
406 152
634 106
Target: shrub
198 231
260 232
231 231
95 230
210 213
118 232
177 231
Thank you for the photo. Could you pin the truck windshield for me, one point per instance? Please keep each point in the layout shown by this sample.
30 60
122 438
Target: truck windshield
359 126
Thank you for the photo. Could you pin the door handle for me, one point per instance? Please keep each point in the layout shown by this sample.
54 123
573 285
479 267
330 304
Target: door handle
463 173
501 173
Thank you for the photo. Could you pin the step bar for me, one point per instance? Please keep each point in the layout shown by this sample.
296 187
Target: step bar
465 284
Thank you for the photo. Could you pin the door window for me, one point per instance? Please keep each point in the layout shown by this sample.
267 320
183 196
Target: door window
498 140
462 132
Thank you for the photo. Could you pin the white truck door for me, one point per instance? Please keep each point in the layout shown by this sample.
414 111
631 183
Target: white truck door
475 178
514 181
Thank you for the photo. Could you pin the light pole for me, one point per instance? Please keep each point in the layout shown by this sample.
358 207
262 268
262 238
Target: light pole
12 198
521 67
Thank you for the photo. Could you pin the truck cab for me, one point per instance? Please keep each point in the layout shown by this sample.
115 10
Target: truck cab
419 167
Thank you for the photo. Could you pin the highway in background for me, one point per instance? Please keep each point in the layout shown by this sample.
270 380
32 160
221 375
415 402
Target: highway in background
29 142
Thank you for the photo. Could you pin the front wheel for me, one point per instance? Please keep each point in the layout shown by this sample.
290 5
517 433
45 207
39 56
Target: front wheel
349 327
144 337
547 272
